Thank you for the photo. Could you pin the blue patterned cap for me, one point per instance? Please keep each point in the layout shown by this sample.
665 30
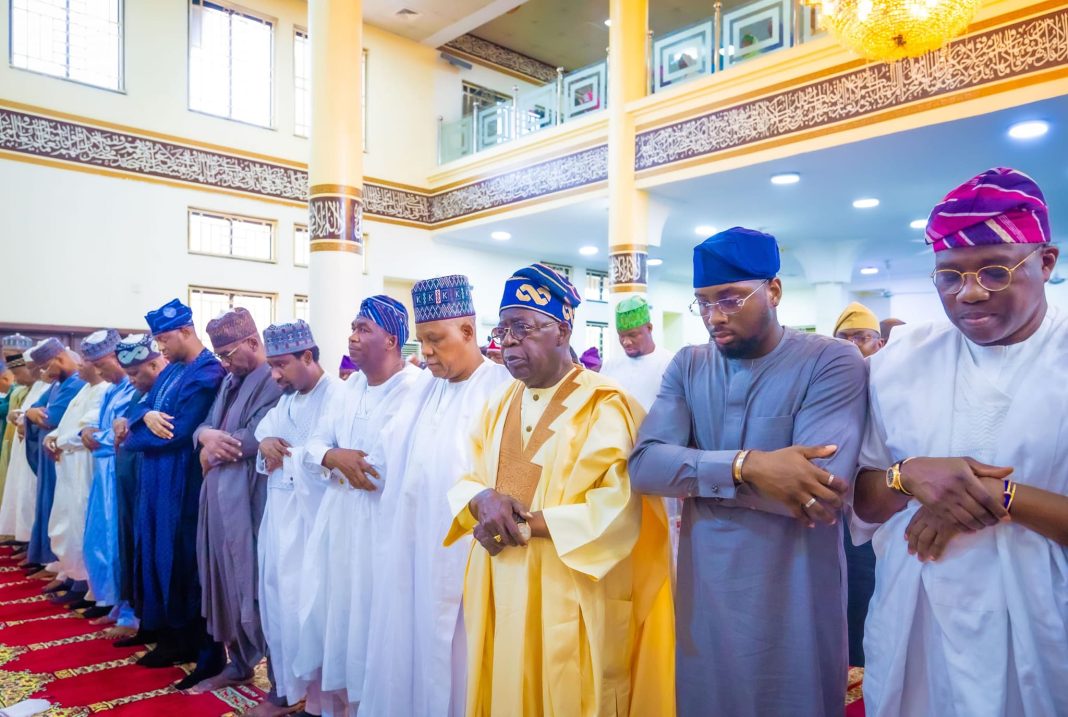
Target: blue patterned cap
446 297
388 313
172 315
47 350
541 289
99 344
135 350
18 342
282 339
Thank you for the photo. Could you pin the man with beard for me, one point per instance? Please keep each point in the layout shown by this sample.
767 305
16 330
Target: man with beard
758 431
415 660
347 450
963 483
232 499
161 429
567 594
293 497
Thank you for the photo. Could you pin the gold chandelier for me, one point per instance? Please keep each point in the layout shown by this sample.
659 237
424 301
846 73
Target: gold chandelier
891 30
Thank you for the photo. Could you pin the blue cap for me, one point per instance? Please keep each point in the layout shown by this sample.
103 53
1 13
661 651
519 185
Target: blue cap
172 315
388 313
282 339
737 254
446 297
541 289
99 344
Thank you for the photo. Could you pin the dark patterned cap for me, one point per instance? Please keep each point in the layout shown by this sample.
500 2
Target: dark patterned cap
282 339
231 327
99 344
446 297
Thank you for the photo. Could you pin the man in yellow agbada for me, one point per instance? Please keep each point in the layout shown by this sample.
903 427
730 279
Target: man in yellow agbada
567 597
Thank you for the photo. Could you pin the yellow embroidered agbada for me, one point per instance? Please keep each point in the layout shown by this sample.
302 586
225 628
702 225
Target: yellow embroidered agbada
582 625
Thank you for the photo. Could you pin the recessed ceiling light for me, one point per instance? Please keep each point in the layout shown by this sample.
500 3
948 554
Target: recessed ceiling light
866 203
704 230
655 262
501 236
407 14
786 178
588 250
869 270
608 23
1031 129
918 224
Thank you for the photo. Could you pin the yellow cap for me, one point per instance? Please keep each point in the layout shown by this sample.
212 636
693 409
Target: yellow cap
856 316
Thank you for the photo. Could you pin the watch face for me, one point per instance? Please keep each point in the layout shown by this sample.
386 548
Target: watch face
890 477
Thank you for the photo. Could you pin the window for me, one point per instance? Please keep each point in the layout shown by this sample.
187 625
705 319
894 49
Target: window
78 40
301 245
301 308
595 333
230 235
596 285
561 269
208 303
230 62
481 97
301 83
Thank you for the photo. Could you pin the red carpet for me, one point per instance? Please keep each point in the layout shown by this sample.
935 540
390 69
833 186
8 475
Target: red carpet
50 653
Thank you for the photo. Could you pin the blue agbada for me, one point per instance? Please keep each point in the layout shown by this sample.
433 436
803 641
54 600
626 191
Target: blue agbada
55 402
165 583
127 472
736 254
101 520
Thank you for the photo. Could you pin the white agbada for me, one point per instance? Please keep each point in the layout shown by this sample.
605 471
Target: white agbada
415 614
641 376
335 604
293 498
20 490
74 477
982 632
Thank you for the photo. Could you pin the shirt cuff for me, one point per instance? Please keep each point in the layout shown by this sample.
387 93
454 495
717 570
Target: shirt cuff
714 478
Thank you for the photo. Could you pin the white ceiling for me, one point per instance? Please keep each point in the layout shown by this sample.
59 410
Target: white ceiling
908 172
436 21
572 34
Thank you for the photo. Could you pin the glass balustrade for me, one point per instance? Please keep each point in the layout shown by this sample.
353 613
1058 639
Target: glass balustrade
574 95
739 33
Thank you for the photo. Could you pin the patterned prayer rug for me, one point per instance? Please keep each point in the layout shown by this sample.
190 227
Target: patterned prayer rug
50 653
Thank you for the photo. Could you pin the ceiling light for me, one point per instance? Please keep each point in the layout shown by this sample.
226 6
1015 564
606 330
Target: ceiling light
655 262
869 270
501 236
704 230
918 224
786 178
608 23
1031 129
866 203
588 250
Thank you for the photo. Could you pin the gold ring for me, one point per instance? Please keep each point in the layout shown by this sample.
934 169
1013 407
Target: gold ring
811 502
496 538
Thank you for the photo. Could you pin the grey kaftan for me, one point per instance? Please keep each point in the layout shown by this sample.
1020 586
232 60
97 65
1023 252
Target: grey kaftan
760 606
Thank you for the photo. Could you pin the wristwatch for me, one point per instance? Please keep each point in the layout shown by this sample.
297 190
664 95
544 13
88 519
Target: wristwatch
893 477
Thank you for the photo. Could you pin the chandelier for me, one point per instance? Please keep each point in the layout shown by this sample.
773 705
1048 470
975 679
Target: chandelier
891 30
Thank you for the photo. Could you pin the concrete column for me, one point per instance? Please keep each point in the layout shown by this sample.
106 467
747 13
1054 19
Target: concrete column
830 271
335 172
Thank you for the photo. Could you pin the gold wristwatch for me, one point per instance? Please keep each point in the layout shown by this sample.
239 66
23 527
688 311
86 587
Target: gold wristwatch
893 477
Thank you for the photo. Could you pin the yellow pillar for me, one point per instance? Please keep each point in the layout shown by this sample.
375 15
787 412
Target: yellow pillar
627 205
335 172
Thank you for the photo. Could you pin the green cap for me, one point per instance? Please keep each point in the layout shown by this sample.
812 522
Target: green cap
631 313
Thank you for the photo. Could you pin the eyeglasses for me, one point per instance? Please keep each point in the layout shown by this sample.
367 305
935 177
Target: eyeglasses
699 307
991 278
225 358
861 339
518 330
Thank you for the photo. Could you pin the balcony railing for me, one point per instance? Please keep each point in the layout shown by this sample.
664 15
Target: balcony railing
573 95
728 39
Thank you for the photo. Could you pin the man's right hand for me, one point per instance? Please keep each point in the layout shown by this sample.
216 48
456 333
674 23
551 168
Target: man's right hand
37 416
952 488
160 424
788 476
274 451
495 513
120 427
353 465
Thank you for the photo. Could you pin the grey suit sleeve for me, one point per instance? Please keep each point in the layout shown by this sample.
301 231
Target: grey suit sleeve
663 463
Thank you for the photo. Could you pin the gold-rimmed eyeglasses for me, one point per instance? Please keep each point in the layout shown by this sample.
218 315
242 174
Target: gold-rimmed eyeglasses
991 278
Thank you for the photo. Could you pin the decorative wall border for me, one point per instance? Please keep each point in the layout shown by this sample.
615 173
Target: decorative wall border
1032 45
476 48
